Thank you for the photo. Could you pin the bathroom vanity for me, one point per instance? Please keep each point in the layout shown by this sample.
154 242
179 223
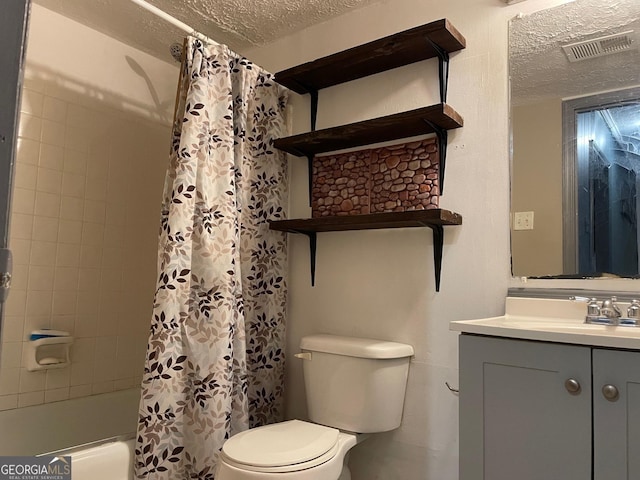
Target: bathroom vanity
545 396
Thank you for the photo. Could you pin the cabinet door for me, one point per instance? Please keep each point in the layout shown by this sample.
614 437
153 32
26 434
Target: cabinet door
616 419
517 419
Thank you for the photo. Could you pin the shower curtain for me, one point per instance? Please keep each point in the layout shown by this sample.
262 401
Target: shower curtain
215 358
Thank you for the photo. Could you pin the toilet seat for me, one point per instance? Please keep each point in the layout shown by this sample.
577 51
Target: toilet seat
282 447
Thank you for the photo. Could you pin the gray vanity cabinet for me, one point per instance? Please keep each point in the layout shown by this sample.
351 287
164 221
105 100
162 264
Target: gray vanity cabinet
548 411
616 415
518 421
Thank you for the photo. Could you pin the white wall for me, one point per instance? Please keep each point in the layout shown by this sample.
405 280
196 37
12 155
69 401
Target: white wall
380 283
92 151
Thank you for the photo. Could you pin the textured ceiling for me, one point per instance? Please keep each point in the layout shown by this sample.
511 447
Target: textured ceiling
240 24
539 67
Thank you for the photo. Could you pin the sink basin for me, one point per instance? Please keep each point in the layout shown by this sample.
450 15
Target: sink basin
550 320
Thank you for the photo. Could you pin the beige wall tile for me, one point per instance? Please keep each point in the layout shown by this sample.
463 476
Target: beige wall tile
12 327
64 302
96 189
70 231
28 151
92 234
64 322
32 381
111 279
30 127
89 278
9 380
124 383
21 250
77 391
8 402
77 138
31 102
26 176
49 180
75 161
71 208
40 278
16 303
56 395
47 204
20 277
23 201
43 253
30 399
51 156
68 255
39 303
94 212
66 279
86 326
54 109
77 115
57 378
102 387
32 82
53 133
11 355
83 350
21 226
73 185
45 229
90 256
81 374
107 324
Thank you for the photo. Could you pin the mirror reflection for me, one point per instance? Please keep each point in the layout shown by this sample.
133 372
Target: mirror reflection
575 115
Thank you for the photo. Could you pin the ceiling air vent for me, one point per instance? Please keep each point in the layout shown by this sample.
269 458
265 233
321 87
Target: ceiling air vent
599 47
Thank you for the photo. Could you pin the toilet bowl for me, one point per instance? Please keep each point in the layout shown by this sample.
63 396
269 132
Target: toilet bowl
354 387
288 450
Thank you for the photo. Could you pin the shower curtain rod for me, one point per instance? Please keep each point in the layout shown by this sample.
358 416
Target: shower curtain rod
174 21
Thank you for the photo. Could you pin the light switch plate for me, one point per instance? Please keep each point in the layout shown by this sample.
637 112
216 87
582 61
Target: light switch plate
523 221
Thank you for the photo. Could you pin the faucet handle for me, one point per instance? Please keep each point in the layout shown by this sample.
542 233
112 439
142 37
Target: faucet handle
610 309
593 309
634 309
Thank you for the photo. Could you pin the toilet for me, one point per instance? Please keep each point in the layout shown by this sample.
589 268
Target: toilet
354 386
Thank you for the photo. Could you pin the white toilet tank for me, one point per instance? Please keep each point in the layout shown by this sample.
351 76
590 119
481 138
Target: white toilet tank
355 384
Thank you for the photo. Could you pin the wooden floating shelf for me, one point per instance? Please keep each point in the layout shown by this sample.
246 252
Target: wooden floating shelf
434 219
378 56
372 221
392 127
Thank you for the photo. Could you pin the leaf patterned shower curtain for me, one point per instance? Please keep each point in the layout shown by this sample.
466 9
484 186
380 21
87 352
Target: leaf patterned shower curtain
215 359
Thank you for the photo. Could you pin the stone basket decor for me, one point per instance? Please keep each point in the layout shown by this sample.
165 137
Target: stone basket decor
395 178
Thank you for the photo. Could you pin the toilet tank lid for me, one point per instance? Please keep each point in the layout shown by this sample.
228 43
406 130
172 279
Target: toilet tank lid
355 347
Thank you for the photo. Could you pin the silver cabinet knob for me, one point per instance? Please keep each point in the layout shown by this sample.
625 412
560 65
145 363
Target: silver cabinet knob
572 386
610 392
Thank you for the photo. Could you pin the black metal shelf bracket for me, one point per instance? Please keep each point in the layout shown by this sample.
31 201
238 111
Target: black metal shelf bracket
310 158
438 240
443 68
443 139
312 254
314 108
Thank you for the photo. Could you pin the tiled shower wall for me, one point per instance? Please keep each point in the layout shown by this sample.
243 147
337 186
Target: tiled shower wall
84 224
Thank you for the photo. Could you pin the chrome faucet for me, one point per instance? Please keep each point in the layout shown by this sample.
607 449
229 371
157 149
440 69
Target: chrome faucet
610 310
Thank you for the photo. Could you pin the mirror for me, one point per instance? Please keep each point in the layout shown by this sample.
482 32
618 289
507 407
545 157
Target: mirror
575 117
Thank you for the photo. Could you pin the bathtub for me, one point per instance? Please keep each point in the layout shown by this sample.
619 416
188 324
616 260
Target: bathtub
105 460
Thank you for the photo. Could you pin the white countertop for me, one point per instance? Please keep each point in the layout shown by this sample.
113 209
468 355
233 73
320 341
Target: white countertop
551 320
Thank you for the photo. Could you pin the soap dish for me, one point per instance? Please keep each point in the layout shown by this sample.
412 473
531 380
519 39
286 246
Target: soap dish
48 349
